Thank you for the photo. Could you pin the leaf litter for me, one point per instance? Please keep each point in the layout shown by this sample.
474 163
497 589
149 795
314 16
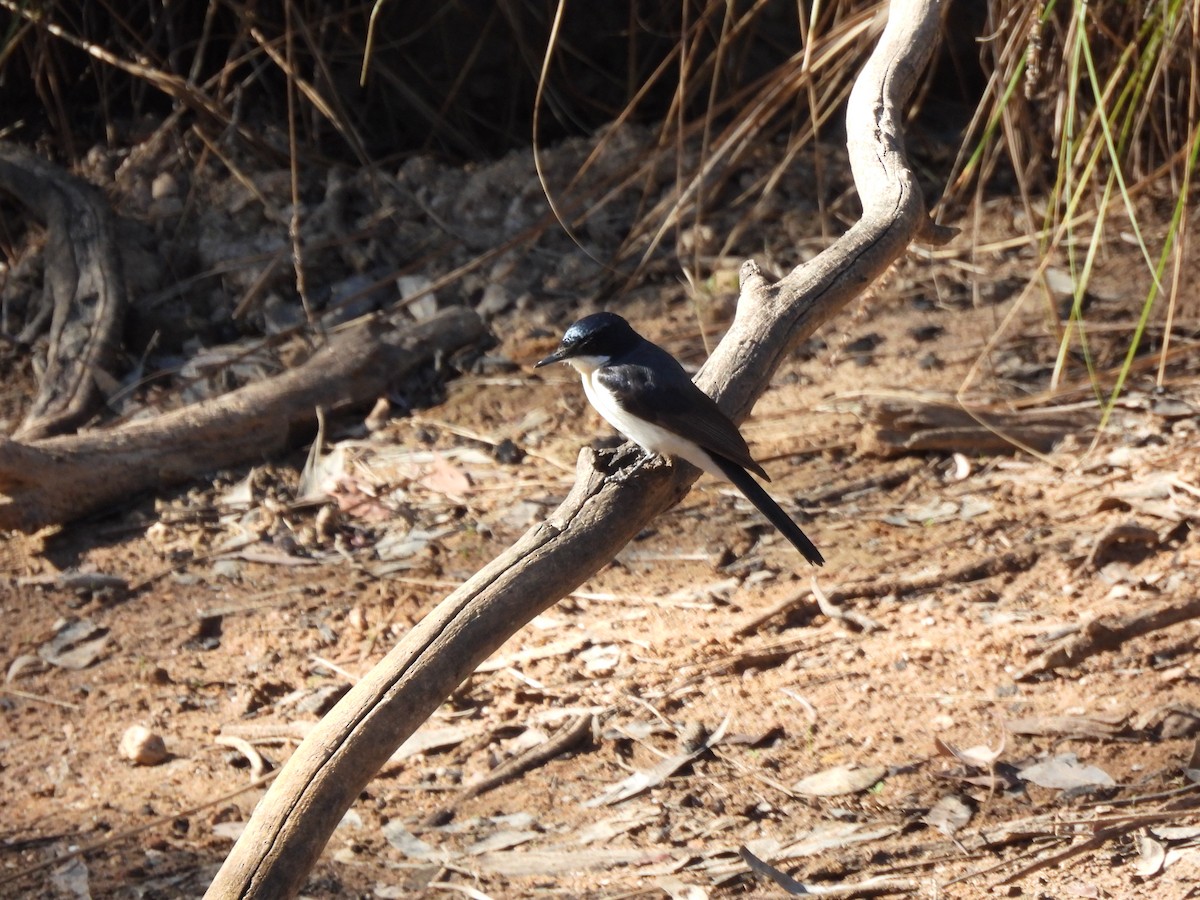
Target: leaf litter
958 566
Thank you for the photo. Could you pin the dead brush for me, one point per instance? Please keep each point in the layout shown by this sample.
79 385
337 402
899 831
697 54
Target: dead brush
738 98
1091 112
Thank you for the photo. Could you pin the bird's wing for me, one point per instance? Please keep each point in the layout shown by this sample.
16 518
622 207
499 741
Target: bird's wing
664 395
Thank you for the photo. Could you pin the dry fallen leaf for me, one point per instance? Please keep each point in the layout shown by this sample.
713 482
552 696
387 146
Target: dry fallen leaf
1188 855
70 879
600 660
1151 856
841 780
981 756
949 814
76 645
1068 726
426 739
1176 833
1064 772
878 885
443 477
395 546
642 781
502 840
406 842
826 836
561 648
789 884
622 823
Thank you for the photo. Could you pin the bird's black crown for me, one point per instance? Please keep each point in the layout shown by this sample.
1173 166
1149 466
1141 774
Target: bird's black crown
600 334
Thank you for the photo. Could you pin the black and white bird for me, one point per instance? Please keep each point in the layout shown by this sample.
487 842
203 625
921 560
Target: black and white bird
644 393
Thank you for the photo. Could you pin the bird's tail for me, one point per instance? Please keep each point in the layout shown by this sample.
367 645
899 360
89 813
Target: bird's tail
753 491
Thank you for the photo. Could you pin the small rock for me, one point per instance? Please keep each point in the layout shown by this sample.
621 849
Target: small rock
923 333
495 300
229 569
417 295
323 699
164 185
508 452
142 747
864 344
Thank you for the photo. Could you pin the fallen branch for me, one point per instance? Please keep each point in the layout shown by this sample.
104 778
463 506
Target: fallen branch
292 823
1108 633
1123 533
84 287
902 585
64 478
903 422
562 741
870 887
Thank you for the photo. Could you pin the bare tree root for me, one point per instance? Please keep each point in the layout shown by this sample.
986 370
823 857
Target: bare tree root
292 823
63 478
85 288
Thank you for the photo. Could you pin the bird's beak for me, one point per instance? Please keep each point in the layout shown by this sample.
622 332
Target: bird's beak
557 356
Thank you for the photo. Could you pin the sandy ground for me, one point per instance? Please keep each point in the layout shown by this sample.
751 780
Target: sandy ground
946 766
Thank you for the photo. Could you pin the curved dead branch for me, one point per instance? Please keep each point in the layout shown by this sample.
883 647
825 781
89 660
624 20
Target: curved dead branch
64 478
292 823
85 289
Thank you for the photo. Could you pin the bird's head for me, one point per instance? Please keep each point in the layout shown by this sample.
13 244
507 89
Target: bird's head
593 341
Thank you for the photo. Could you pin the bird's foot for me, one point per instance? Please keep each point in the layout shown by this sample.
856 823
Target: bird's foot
644 458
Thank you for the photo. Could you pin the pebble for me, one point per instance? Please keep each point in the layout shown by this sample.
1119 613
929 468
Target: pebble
142 747
163 186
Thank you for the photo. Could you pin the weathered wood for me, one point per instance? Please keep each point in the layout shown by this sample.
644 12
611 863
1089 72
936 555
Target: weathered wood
906 422
1107 633
84 287
63 478
292 823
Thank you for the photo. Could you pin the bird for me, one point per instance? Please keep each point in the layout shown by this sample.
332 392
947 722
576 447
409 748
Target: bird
643 392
